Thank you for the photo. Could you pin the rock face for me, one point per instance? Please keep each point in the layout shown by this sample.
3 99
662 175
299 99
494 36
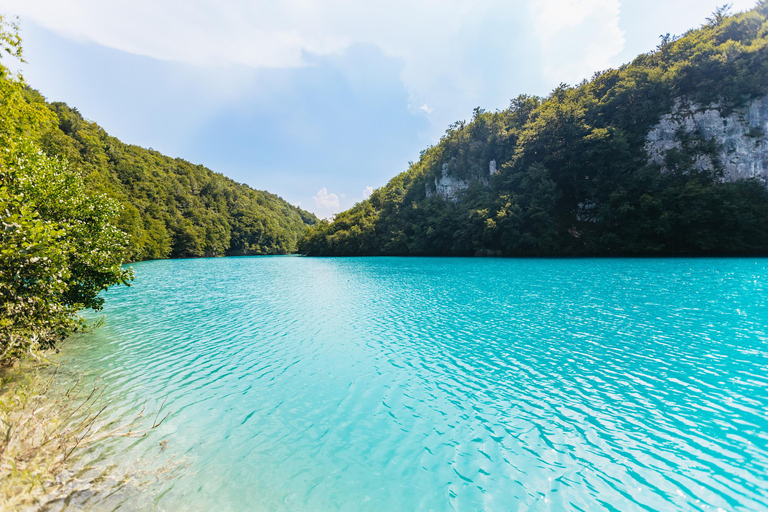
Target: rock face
446 186
735 142
449 187
740 138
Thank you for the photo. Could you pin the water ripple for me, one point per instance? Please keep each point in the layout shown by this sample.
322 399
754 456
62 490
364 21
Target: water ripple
443 384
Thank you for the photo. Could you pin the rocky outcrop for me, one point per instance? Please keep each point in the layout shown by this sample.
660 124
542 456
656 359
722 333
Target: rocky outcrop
738 139
449 187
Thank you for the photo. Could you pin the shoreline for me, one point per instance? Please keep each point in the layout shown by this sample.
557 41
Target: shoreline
48 428
37 447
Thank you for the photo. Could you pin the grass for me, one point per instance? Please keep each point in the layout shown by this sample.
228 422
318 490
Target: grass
44 431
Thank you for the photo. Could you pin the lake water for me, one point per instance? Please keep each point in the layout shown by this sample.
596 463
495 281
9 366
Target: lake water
389 384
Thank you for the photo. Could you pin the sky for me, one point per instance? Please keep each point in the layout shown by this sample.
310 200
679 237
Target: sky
321 102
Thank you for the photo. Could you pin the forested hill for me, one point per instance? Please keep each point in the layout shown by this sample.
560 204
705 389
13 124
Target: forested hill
665 155
171 208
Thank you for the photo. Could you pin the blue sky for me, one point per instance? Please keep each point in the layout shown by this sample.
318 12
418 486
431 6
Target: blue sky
319 102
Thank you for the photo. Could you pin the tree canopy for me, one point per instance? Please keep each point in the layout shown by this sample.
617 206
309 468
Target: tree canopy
59 245
170 207
173 208
573 176
76 203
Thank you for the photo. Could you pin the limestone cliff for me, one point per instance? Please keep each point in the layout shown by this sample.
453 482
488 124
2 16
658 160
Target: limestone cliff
737 141
449 187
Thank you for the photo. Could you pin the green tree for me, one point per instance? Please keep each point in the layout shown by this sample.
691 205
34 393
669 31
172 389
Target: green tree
569 174
58 250
59 246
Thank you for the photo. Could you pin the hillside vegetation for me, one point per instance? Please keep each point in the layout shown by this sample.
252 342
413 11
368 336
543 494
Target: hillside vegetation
569 174
170 207
173 208
76 203
59 246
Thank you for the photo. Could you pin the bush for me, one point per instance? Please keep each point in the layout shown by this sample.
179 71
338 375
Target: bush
58 250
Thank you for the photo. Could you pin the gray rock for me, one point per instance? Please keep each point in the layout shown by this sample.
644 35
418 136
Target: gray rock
741 137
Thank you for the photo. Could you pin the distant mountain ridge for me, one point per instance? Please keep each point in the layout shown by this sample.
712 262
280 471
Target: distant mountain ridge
665 155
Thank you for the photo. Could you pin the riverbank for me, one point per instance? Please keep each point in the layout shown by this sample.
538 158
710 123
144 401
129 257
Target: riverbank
47 425
36 444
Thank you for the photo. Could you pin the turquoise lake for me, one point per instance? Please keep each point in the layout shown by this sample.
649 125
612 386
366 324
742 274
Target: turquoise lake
438 384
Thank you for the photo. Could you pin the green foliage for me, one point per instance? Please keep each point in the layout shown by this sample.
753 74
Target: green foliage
173 208
58 246
573 175
58 250
76 203
720 15
170 207
10 40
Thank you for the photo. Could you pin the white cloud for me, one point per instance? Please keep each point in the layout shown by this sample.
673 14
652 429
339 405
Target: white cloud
367 192
424 109
454 53
578 37
326 204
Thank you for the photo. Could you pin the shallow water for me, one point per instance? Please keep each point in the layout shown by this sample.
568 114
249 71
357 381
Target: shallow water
383 384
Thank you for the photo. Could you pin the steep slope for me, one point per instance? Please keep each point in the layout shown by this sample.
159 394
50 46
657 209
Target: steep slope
666 155
171 208
175 208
